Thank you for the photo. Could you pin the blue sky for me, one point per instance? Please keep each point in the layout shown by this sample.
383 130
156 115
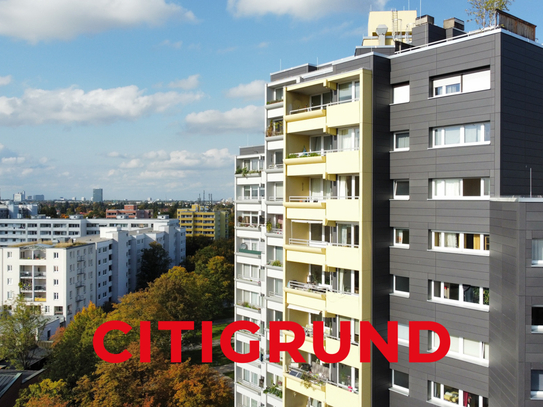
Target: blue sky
153 98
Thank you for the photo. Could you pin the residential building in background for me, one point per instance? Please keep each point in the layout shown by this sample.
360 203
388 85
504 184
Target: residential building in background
97 195
39 197
17 210
19 197
130 211
411 186
200 220
101 267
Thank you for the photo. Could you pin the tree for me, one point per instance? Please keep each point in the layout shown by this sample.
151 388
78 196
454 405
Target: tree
73 354
44 394
20 328
484 10
220 274
158 384
154 262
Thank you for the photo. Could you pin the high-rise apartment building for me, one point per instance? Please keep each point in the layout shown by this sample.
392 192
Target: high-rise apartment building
411 187
97 195
199 220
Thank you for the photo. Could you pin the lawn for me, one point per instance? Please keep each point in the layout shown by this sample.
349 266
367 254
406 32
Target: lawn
196 357
217 330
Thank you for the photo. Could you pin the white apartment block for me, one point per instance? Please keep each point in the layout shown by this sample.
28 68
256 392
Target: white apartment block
62 278
259 254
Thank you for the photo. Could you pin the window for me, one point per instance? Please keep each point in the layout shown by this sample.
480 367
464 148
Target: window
537 252
462 348
9 254
400 94
475 243
401 189
401 237
537 318
459 294
347 281
10 268
348 139
55 296
400 285
464 134
401 141
461 188
55 255
348 92
403 334
55 282
537 384
448 395
400 381
461 83
320 100
9 281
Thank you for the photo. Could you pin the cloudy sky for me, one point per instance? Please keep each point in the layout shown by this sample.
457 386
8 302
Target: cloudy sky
153 98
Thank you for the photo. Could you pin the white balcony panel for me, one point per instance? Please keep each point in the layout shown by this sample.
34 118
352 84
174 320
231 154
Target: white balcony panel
276 145
253 233
275 241
248 260
275 177
249 206
275 209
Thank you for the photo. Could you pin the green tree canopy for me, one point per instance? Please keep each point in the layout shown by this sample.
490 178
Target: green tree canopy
154 262
44 393
20 328
73 354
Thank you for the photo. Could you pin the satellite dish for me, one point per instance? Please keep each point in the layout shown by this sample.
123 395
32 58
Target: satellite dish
243 246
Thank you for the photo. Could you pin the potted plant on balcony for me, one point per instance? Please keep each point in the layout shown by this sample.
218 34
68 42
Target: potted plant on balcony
268 226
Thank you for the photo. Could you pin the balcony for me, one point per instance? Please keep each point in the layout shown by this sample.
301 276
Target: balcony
40 274
306 383
79 284
24 274
80 298
40 288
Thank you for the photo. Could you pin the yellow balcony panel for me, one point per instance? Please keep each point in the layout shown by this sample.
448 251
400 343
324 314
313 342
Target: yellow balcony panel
343 162
344 114
296 167
339 397
305 299
304 202
296 254
308 389
304 213
343 257
353 359
307 124
305 115
347 305
343 210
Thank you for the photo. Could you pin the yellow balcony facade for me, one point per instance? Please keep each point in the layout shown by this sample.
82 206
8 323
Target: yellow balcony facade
346 305
344 257
309 121
340 397
305 254
305 299
313 390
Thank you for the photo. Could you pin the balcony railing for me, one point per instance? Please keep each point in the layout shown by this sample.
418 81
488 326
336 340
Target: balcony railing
80 298
321 152
318 198
316 288
40 275
249 278
275 199
248 225
319 243
249 198
319 107
275 166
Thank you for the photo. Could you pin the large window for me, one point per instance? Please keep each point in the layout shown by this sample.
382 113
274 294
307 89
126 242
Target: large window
348 139
401 189
461 83
320 100
458 294
476 133
462 348
461 188
400 285
400 381
474 243
349 91
537 384
401 141
347 281
537 318
401 237
449 395
400 94
537 252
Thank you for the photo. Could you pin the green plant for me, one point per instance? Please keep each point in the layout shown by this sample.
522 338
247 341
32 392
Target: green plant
244 171
313 155
238 170
275 390
268 226
292 156
277 263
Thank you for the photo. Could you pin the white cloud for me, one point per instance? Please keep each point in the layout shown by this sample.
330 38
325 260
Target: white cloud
69 105
13 160
4 80
134 163
263 45
184 160
249 91
249 118
38 20
191 82
168 43
303 9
